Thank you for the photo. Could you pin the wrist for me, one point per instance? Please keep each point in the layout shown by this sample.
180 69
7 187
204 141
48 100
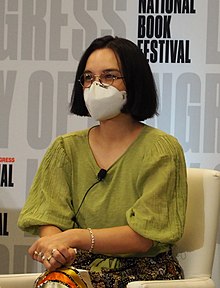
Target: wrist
92 236
79 238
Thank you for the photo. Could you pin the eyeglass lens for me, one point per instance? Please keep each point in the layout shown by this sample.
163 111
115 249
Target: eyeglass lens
106 78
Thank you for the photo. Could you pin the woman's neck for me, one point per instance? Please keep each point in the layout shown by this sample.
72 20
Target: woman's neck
111 139
118 128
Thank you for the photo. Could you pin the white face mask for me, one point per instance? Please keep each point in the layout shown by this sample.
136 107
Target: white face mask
104 102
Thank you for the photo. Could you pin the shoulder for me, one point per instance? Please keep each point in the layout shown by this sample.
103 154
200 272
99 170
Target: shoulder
161 142
70 138
155 134
74 135
61 148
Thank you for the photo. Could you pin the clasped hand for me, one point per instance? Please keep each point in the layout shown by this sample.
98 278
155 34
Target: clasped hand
52 251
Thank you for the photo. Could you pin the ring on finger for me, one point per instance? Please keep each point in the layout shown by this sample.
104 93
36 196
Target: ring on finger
36 253
41 254
43 258
53 250
48 258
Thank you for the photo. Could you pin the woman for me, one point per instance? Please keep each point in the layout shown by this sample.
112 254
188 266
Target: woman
116 192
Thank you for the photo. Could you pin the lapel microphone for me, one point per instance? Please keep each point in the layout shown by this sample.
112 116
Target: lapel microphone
101 175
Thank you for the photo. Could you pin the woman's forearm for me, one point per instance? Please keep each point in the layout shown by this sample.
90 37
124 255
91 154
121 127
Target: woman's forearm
60 246
48 230
115 240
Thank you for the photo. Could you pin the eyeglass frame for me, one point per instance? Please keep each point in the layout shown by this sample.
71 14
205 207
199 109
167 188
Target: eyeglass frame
94 76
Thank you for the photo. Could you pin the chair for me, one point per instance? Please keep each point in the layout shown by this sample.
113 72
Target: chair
18 280
195 251
27 280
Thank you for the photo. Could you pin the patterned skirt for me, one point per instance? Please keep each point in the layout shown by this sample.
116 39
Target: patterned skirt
118 272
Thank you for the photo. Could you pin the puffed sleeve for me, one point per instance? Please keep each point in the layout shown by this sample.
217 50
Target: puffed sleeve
159 213
49 200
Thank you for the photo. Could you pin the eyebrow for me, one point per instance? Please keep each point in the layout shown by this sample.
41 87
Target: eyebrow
106 70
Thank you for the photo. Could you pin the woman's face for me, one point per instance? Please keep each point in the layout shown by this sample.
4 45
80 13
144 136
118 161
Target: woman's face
103 61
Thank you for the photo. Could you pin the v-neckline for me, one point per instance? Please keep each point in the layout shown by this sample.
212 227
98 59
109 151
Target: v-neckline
92 157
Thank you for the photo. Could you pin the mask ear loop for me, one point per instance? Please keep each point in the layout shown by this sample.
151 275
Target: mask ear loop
124 94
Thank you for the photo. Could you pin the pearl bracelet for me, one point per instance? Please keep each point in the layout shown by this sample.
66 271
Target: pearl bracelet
92 240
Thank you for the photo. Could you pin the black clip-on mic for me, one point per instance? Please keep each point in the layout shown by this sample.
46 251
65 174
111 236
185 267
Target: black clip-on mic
101 175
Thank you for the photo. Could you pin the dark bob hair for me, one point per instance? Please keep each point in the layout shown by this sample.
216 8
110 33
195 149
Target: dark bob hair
142 99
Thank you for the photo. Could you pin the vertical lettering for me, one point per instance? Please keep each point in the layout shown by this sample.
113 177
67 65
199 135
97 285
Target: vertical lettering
212 52
164 119
6 93
40 109
33 40
112 18
8 31
150 26
4 224
57 20
25 263
4 263
88 32
65 80
142 6
188 111
141 27
212 114
10 176
6 175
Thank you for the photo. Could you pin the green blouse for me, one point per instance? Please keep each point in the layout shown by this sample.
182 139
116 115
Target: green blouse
145 188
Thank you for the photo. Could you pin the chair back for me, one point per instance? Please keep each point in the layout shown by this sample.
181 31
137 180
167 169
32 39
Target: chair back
195 251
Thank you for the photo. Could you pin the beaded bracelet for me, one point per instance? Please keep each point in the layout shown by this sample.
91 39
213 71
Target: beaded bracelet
92 240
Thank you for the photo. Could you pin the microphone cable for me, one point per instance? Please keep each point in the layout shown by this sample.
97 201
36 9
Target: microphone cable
101 175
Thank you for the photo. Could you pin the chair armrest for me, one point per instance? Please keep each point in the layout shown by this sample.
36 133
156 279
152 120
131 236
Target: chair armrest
18 280
27 280
201 282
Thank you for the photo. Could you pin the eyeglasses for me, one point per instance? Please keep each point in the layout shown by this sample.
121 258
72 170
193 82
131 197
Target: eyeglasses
106 78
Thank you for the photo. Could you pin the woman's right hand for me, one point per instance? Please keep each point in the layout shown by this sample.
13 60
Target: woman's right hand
52 249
